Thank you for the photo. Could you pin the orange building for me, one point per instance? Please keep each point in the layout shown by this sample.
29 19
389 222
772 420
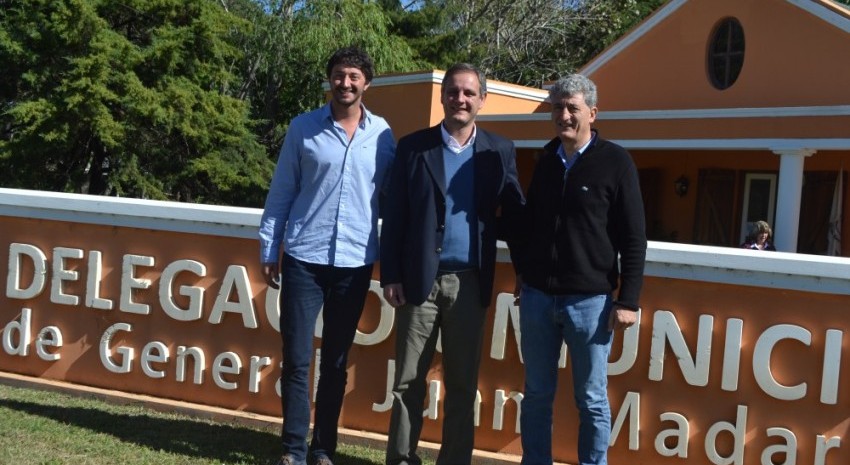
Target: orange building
738 357
734 111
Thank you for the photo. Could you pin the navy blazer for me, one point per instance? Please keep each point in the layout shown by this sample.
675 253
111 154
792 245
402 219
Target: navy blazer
414 212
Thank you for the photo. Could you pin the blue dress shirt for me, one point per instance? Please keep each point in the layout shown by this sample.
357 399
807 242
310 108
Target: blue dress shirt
569 162
323 200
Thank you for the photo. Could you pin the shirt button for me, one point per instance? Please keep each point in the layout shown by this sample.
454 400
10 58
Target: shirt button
441 227
439 250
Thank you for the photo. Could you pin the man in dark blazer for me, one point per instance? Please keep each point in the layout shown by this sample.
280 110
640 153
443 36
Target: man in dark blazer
438 255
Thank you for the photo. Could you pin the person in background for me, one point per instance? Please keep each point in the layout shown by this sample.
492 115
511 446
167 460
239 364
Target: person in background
583 237
759 237
323 208
438 257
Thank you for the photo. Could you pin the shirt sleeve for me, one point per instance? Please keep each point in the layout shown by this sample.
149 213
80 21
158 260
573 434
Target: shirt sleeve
631 238
284 188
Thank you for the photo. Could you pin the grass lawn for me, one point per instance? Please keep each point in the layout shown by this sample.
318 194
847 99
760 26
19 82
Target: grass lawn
48 428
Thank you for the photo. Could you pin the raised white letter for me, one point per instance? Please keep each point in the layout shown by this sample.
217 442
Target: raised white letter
257 364
385 324
499 408
823 445
194 293
24 335
13 279
154 352
198 357
506 311
737 430
49 336
433 400
226 363
106 352
388 397
831 366
60 274
93 299
630 347
732 354
681 434
130 282
629 408
761 360
236 277
665 328
789 449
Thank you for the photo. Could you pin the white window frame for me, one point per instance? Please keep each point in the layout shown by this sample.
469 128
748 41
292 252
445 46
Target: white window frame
771 207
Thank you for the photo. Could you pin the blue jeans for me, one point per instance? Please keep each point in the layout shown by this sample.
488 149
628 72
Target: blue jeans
547 321
305 289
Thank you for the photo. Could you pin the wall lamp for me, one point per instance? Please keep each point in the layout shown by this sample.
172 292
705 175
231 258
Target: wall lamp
681 185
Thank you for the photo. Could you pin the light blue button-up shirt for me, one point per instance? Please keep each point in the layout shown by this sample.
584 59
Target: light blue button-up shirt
569 162
323 200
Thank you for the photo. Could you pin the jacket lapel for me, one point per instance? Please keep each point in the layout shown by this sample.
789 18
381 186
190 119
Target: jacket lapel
434 159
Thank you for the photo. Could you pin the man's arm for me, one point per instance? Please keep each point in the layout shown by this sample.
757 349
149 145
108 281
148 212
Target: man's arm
631 240
386 148
285 185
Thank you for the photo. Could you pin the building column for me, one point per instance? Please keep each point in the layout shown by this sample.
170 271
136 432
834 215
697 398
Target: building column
790 191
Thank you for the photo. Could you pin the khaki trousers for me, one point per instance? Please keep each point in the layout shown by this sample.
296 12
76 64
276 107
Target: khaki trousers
452 311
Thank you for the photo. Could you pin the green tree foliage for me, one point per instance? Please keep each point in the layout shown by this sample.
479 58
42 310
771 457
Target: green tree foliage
125 97
285 52
520 41
189 99
599 23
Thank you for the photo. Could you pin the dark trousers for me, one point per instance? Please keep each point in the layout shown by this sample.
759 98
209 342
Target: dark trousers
340 294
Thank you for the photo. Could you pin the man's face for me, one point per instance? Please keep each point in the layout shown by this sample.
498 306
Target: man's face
347 85
572 118
461 98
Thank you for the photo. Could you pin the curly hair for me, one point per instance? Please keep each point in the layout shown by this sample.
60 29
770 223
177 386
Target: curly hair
354 57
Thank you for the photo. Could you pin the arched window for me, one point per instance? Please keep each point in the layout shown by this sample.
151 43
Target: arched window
726 53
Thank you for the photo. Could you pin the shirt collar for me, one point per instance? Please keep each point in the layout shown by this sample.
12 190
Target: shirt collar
365 115
563 154
452 143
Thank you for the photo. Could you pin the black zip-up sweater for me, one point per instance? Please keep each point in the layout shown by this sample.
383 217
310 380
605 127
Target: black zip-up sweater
578 222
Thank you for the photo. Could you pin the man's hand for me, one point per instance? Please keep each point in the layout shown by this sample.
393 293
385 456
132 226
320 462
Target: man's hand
394 293
621 318
271 273
518 285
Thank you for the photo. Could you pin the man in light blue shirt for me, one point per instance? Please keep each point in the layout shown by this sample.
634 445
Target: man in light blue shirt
323 208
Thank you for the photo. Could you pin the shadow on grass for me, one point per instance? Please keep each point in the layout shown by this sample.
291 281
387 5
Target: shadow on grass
225 443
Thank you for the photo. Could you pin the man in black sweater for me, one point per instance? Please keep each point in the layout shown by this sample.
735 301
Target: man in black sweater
583 237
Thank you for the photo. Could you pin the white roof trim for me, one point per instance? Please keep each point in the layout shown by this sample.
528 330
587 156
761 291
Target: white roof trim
726 113
436 77
773 145
697 113
824 13
631 38
801 272
133 213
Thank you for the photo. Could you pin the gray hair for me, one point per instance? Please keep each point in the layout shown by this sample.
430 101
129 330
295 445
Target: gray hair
574 84
458 68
